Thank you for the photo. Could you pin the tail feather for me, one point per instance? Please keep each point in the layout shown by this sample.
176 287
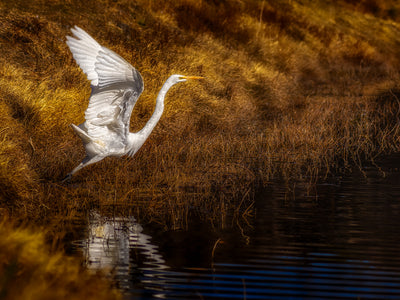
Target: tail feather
82 134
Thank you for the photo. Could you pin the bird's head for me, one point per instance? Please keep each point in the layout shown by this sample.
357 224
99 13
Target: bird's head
182 78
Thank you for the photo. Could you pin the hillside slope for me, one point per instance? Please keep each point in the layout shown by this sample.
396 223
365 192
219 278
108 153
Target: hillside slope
294 90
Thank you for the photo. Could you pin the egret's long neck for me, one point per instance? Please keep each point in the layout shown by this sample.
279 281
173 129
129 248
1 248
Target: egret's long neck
148 128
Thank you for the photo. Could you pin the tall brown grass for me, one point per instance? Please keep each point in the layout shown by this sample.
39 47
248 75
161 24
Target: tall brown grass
28 271
295 90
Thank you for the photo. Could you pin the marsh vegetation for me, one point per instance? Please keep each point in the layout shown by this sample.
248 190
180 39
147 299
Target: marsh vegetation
294 90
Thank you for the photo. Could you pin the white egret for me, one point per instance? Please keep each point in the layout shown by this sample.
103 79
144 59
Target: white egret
116 86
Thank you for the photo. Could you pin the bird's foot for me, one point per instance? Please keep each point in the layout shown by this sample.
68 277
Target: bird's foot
67 178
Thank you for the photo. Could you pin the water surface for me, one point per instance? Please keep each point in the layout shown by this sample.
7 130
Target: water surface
340 241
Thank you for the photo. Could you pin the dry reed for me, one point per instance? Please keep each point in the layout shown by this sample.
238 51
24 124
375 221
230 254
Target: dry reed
294 90
28 271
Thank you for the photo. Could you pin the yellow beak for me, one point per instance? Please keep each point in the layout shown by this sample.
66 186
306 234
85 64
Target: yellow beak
192 77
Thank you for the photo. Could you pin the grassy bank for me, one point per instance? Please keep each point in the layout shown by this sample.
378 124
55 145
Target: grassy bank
28 271
295 90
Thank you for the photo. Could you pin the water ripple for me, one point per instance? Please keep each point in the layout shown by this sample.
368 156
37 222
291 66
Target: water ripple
341 244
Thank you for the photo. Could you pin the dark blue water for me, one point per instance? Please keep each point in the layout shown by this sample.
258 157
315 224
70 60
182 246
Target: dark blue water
339 241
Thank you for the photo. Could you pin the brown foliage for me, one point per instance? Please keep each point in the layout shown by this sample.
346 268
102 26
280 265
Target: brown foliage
292 90
295 90
28 271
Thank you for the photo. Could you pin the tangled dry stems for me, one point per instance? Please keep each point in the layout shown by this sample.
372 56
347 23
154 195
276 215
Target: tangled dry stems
293 90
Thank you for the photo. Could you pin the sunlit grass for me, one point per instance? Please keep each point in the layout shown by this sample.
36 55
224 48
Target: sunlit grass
28 271
295 90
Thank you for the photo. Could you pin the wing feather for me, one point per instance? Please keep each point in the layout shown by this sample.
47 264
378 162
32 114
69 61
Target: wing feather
84 50
116 85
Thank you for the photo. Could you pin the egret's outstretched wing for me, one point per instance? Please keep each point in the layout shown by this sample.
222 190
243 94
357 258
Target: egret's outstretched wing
85 51
116 85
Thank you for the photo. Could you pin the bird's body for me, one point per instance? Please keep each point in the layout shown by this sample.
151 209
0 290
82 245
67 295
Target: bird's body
116 86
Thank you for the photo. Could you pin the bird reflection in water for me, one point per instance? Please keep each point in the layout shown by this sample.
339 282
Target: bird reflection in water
118 246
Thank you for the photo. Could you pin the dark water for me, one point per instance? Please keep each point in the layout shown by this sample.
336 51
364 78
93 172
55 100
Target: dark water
342 241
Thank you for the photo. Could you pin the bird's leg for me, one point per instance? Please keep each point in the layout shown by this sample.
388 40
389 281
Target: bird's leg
67 178
86 161
69 175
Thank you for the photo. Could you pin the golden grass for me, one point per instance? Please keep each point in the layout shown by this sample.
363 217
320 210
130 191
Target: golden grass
295 90
28 271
